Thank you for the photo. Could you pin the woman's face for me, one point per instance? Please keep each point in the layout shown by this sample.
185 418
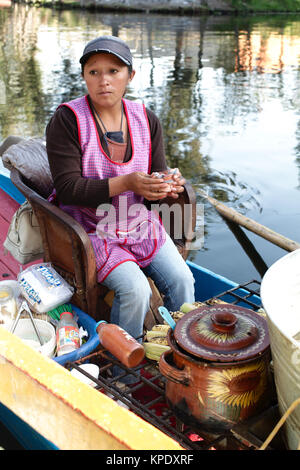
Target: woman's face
106 78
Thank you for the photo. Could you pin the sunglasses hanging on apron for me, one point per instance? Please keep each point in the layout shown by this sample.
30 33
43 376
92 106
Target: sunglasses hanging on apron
116 147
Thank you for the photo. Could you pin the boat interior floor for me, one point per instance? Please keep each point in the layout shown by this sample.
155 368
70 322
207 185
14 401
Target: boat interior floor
146 397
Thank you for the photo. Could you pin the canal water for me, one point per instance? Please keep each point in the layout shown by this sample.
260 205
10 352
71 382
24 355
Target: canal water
227 92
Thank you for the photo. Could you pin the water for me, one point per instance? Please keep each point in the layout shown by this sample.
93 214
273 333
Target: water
225 89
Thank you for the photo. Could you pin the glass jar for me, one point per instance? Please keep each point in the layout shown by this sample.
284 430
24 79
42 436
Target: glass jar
8 304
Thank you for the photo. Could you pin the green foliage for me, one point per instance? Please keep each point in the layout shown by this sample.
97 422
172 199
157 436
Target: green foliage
266 5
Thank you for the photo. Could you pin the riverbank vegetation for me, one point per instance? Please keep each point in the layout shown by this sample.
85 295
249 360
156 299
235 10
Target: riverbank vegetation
265 6
204 7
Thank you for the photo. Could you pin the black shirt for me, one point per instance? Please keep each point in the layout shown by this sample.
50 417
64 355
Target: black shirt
64 154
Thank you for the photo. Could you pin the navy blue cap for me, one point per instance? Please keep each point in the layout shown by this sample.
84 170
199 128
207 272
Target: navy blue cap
110 44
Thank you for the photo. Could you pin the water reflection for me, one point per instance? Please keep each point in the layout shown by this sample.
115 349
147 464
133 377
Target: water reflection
218 84
24 109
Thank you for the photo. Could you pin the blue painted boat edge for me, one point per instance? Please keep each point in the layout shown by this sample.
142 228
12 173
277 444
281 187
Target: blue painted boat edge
27 437
209 284
204 287
10 189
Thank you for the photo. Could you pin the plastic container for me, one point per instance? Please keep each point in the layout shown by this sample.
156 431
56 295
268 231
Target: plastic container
119 343
14 285
89 324
167 177
43 288
67 334
91 369
25 331
8 306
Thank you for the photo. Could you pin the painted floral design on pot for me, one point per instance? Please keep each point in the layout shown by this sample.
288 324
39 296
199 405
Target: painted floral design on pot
240 387
218 367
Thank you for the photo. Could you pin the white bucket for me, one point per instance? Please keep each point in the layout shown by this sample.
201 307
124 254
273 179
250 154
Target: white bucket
280 295
25 331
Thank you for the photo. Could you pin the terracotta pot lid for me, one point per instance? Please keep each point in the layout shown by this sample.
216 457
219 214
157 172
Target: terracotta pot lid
223 333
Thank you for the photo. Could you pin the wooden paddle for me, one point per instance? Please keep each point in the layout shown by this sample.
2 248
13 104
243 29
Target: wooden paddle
255 227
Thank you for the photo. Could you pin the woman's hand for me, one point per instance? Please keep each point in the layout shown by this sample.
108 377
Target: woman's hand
177 182
149 187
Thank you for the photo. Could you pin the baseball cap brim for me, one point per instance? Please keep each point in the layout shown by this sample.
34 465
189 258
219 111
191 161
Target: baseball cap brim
109 44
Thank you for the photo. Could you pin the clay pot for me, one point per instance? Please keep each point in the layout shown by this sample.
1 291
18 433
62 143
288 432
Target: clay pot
218 367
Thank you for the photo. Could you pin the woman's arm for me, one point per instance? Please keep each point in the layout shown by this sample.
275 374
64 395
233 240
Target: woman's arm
158 163
158 157
64 154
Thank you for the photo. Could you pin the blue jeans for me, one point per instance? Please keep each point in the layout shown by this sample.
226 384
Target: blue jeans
171 275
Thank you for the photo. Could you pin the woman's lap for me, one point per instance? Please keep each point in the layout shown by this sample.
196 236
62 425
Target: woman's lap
169 272
132 297
172 276
132 290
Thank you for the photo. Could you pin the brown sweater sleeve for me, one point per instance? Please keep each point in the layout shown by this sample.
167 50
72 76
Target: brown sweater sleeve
64 154
158 157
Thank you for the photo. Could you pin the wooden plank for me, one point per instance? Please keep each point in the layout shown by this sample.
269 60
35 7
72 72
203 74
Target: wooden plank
8 206
9 267
260 230
6 272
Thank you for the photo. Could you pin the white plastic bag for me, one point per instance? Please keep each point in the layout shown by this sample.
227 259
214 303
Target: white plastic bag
43 288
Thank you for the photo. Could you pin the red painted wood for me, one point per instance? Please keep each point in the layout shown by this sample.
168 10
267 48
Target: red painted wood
8 205
9 267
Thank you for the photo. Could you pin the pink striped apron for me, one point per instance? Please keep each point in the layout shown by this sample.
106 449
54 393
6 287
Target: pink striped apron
124 230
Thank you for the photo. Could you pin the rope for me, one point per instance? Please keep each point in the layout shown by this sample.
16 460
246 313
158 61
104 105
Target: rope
280 423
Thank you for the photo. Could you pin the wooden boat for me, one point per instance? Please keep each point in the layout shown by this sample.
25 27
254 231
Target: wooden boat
45 407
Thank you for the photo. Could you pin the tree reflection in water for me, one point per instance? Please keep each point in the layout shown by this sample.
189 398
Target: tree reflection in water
208 79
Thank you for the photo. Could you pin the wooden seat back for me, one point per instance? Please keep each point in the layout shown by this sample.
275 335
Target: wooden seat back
69 249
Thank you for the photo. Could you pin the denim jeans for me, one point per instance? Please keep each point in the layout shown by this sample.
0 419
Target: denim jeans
171 275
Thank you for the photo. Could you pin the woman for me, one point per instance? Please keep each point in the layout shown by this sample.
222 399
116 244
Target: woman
103 150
